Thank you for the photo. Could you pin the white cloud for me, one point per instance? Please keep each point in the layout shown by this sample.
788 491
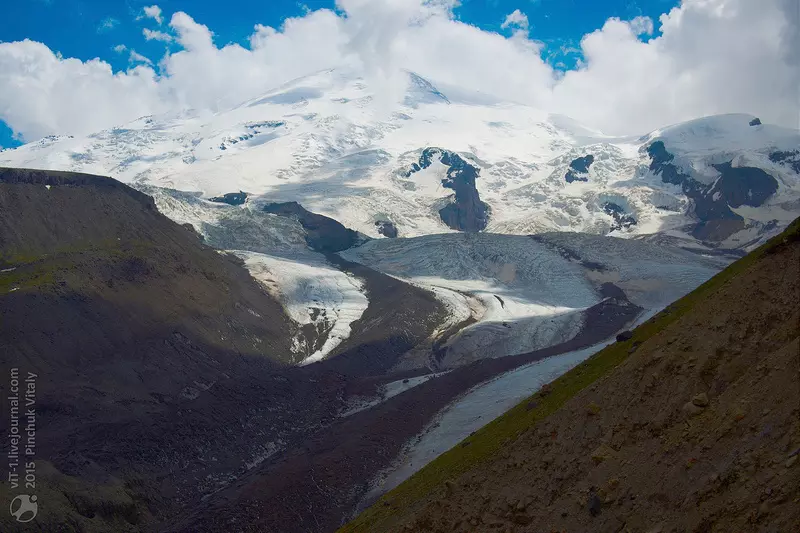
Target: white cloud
120 48
642 26
107 24
712 56
204 76
153 12
155 35
516 19
136 57
377 35
42 93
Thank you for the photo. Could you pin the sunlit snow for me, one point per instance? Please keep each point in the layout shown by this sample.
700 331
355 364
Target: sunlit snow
319 140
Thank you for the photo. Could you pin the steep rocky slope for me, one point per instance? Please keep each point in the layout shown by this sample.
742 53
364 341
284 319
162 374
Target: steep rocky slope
125 317
81 238
697 428
163 368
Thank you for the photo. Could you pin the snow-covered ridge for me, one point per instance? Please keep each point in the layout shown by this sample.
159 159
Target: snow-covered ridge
318 140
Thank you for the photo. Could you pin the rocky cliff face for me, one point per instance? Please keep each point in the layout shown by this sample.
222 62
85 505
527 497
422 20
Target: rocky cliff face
735 187
788 158
579 169
465 212
622 220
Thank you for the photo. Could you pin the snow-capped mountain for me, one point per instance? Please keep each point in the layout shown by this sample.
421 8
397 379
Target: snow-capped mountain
439 161
437 236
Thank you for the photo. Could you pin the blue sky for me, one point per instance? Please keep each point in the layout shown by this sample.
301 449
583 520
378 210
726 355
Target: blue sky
87 29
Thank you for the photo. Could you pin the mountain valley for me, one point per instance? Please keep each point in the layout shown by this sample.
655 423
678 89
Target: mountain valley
269 317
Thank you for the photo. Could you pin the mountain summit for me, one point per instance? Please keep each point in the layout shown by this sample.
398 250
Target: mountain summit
329 141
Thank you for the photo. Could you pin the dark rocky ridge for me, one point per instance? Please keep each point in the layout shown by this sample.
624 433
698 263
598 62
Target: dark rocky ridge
467 212
579 169
231 198
790 159
735 187
386 228
53 178
323 234
126 317
622 220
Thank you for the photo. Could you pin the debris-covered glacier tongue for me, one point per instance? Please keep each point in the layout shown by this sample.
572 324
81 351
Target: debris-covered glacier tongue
517 294
504 294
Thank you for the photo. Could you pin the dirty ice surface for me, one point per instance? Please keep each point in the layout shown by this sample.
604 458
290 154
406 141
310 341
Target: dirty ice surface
473 410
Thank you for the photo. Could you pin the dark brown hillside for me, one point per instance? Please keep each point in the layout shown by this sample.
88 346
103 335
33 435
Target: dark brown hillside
696 430
104 279
125 316
162 375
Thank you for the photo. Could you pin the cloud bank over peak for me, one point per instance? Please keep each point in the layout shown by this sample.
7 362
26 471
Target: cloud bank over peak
712 56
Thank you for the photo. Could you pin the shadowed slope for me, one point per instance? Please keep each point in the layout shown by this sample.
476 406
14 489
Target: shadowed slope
125 317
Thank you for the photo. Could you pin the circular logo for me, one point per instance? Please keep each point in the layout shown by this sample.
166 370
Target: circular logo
24 508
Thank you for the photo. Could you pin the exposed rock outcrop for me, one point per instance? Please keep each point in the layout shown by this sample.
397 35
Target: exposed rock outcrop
579 169
386 228
789 158
323 234
712 203
622 220
231 198
466 212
